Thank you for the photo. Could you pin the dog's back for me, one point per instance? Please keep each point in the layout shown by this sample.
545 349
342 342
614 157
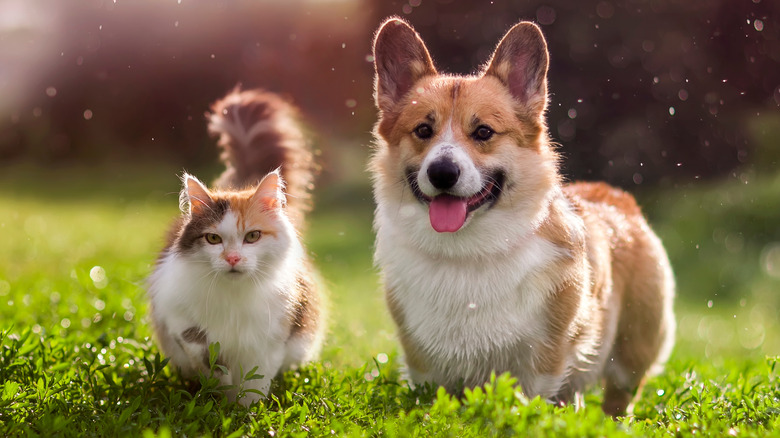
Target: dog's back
631 257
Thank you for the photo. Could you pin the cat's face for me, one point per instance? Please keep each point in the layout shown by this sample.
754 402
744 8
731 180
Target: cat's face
235 234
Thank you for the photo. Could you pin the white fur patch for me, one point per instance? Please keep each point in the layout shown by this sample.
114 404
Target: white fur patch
462 312
248 313
470 181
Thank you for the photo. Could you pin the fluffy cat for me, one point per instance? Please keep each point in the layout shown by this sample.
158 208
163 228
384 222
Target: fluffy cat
234 270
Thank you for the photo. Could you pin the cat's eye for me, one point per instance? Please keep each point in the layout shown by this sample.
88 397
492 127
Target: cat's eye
483 133
252 236
423 131
213 238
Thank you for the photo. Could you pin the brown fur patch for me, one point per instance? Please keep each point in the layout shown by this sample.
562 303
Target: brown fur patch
195 335
307 310
249 215
553 352
192 230
602 193
281 143
624 254
467 103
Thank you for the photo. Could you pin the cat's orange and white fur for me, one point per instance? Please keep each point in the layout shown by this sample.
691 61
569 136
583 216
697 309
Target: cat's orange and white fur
490 262
234 270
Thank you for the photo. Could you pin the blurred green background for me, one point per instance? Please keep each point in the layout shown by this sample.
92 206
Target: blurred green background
102 103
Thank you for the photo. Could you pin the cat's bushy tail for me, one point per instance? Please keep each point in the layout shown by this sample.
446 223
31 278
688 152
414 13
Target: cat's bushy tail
258 131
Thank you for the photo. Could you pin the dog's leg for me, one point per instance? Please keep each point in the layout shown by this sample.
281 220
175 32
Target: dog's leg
645 330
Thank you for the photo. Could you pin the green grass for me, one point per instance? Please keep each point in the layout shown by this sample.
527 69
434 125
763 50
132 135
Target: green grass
76 358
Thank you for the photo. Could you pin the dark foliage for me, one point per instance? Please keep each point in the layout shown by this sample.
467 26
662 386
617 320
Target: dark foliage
641 90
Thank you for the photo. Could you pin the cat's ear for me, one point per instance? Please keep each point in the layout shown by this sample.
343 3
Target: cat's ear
194 197
270 192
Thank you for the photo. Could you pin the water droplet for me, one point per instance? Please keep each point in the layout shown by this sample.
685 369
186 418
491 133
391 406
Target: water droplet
572 113
545 15
770 260
671 110
758 25
472 306
660 392
98 276
709 304
605 10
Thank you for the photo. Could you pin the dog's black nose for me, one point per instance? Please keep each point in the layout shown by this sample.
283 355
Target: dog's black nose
443 174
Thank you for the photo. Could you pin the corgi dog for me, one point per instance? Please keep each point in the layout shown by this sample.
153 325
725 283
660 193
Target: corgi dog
490 262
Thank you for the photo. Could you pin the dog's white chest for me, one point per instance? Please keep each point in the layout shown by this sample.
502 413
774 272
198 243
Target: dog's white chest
469 316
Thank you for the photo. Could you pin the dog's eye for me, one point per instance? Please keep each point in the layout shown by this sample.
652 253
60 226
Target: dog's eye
423 131
483 133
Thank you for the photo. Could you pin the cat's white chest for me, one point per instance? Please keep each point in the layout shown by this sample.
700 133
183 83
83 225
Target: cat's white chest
243 315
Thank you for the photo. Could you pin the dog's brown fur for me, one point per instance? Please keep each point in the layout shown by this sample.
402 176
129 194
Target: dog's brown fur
605 279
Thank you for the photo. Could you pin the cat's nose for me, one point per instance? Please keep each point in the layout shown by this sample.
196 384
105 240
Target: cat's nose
233 258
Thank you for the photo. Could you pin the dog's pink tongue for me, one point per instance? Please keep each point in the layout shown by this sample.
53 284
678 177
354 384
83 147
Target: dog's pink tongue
447 213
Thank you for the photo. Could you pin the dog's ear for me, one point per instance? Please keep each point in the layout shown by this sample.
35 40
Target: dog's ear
520 62
400 60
